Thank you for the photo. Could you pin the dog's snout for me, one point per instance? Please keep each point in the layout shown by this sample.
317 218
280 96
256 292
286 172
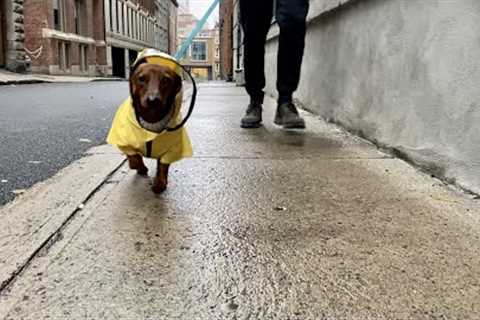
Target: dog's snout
153 100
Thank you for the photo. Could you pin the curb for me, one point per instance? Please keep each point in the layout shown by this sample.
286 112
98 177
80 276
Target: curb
36 81
36 217
18 82
108 79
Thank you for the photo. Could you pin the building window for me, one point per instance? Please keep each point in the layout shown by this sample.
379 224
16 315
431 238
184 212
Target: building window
117 16
132 34
199 50
128 22
140 27
83 51
111 15
145 28
59 15
122 8
79 16
150 32
137 26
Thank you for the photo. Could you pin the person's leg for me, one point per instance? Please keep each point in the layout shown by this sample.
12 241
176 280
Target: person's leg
291 18
255 18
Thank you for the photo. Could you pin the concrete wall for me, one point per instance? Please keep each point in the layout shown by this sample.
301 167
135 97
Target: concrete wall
405 74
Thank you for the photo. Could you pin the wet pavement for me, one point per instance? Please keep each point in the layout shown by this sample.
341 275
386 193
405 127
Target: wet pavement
260 224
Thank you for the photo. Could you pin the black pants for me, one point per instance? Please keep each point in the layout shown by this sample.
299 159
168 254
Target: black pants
256 18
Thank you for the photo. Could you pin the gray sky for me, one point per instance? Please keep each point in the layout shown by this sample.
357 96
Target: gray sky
198 8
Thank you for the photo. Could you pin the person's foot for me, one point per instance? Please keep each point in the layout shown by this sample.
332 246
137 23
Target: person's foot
253 116
288 117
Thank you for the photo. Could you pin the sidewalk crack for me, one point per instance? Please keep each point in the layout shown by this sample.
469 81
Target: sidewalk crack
57 234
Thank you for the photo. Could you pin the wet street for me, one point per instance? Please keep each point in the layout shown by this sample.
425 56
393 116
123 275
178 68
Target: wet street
44 127
259 224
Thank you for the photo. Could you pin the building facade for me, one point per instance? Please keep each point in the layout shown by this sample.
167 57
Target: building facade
203 58
200 59
238 72
226 39
12 35
172 27
132 25
216 56
65 37
231 42
83 37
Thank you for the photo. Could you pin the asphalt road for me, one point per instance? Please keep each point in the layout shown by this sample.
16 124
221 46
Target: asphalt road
44 127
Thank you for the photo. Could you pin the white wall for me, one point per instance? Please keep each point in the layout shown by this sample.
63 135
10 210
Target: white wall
403 73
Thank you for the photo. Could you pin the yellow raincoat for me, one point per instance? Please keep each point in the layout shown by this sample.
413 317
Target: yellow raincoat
128 136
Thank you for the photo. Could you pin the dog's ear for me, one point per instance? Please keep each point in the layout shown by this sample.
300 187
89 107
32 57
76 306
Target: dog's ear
134 66
133 70
133 91
178 83
177 86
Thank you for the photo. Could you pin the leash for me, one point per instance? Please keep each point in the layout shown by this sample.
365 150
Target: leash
179 55
192 101
182 51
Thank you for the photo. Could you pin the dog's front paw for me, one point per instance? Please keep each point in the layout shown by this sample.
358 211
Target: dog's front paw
142 171
135 162
159 185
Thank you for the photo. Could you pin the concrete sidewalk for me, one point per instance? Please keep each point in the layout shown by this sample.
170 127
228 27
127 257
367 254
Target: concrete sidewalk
9 78
260 224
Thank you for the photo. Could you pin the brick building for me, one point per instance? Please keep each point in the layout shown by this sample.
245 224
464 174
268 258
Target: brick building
185 24
226 39
132 25
65 37
203 55
216 58
12 55
83 37
237 32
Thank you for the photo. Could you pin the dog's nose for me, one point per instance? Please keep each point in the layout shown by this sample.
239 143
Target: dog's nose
153 100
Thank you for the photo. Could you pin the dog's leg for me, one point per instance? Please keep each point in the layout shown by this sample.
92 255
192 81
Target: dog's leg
135 162
161 180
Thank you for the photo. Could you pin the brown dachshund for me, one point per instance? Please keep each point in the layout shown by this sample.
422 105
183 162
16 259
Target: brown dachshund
153 91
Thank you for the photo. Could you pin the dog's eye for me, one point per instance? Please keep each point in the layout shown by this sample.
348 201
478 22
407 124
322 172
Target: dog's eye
141 79
165 81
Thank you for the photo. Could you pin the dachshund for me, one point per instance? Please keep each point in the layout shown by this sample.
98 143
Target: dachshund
155 94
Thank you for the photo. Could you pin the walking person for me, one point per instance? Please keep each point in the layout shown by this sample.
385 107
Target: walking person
256 18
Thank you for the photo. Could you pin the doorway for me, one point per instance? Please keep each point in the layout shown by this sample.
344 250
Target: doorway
132 56
118 62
